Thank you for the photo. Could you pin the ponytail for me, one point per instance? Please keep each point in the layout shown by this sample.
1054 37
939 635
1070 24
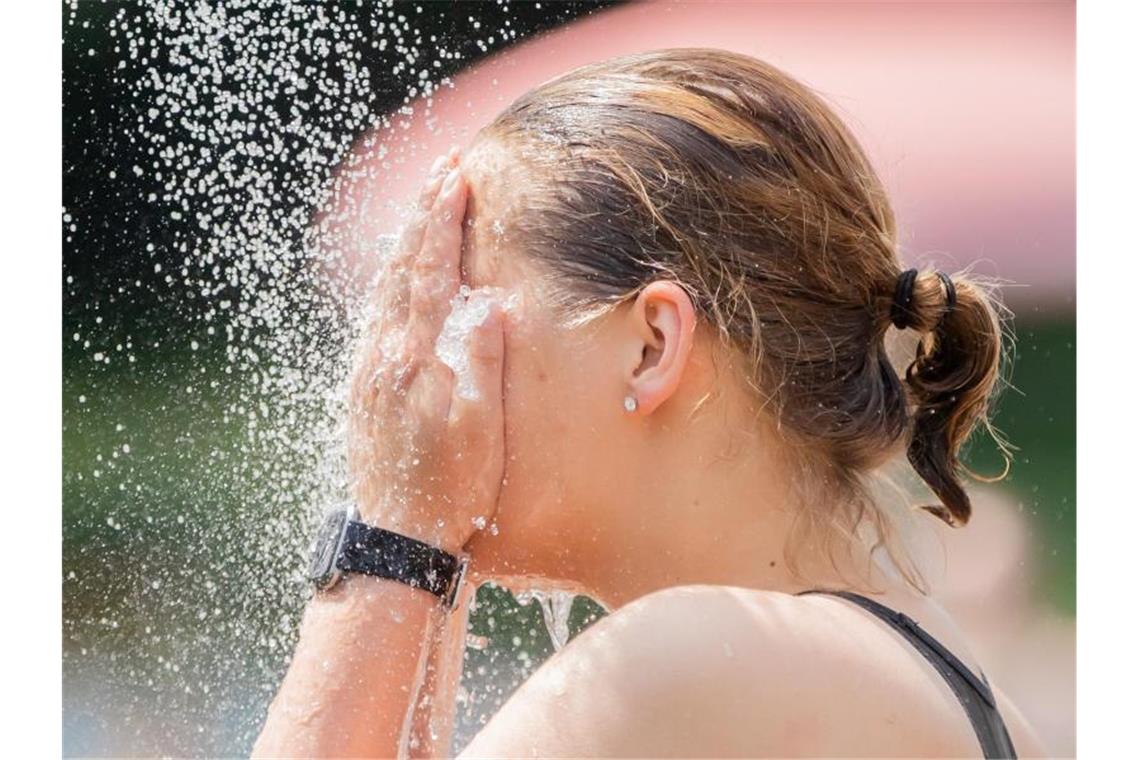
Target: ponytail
951 381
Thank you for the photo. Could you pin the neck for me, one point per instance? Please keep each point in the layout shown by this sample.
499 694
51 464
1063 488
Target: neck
704 500
731 520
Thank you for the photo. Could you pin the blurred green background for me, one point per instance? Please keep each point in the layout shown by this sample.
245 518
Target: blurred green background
126 640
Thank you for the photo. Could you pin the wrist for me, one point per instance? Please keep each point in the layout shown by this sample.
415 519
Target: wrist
363 597
348 544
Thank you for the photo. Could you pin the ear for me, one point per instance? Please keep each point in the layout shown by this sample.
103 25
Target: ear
663 322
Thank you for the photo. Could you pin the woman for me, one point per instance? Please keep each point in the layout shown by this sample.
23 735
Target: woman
676 396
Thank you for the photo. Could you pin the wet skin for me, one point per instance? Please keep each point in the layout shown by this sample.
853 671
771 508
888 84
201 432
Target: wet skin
675 515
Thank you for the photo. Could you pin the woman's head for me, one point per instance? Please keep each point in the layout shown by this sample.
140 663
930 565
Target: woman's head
773 248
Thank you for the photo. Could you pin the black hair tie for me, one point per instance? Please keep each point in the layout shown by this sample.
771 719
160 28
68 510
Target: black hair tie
901 313
904 294
951 293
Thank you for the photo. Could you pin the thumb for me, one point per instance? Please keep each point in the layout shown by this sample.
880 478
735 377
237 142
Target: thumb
477 395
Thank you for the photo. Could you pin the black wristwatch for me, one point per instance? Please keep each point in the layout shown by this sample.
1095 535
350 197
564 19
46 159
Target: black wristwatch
346 545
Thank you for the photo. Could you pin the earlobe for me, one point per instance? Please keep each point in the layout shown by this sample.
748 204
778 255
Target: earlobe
665 319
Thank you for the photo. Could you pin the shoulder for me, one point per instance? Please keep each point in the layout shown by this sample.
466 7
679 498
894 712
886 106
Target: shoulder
719 670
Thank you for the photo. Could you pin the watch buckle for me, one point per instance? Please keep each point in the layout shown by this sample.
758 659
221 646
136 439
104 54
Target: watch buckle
452 598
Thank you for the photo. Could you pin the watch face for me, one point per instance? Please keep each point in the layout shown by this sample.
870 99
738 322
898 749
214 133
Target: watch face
322 565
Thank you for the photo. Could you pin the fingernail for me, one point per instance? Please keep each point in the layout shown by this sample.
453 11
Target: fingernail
435 168
451 181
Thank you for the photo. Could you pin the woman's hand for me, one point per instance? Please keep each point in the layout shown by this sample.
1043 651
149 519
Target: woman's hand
425 460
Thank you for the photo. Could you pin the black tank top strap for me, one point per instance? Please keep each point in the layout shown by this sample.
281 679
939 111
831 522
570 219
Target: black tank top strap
973 692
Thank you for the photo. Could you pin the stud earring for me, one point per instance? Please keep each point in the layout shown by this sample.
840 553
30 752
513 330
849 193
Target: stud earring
630 403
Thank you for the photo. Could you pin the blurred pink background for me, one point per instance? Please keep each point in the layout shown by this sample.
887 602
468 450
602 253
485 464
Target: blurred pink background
967 110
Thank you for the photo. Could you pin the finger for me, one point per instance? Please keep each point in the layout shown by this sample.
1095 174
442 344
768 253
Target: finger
411 237
477 394
429 396
435 273
394 285
377 371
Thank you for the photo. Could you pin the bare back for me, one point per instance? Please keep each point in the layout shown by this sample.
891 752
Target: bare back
725 671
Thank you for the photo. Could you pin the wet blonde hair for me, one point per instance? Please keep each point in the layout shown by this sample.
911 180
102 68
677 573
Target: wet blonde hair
724 174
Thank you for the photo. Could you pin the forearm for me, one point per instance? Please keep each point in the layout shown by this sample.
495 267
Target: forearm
351 680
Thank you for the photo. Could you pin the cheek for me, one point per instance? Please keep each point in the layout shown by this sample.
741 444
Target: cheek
547 423
531 402
562 446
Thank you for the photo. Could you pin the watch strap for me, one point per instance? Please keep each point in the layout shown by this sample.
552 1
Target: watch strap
383 553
